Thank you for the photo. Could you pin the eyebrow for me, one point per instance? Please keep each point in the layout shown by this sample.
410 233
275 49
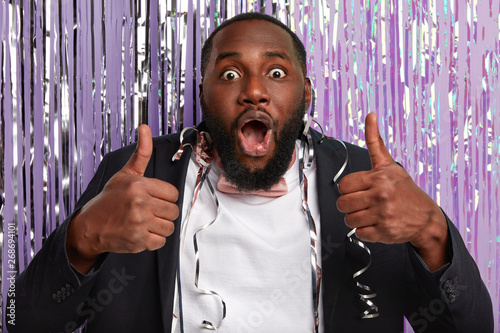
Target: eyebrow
225 55
267 55
274 54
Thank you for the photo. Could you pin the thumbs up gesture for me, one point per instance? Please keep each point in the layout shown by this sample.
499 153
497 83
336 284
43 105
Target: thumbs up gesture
131 214
385 205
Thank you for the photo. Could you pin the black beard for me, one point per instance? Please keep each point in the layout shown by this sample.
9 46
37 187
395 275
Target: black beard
238 173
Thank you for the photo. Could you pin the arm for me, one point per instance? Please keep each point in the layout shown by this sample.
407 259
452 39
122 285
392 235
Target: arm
50 287
385 205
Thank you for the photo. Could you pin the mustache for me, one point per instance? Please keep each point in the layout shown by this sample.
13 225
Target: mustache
234 124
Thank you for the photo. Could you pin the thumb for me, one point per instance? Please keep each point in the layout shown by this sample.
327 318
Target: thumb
140 158
379 155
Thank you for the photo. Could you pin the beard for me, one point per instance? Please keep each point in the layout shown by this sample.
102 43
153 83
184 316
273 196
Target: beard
244 178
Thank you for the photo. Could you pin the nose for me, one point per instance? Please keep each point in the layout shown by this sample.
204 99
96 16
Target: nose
254 91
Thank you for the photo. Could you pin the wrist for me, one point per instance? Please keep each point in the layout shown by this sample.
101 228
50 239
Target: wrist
431 242
78 246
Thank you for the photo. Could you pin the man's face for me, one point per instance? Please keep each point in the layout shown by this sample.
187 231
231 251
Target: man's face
254 95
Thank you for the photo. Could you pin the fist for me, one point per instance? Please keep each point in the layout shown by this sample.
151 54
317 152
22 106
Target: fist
384 204
131 214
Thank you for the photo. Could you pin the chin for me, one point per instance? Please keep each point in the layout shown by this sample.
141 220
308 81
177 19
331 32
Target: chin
254 163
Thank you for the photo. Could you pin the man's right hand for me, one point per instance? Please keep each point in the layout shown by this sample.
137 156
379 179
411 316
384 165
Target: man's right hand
131 214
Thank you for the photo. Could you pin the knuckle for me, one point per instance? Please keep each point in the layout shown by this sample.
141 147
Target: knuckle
135 216
388 213
384 216
137 200
135 238
130 182
380 175
382 196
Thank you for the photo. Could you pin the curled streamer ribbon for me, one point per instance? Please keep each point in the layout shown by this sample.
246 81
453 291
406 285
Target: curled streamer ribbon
306 146
207 324
306 157
372 309
203 157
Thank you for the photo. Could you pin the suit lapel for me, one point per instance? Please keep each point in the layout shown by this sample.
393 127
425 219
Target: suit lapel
330 157
175 174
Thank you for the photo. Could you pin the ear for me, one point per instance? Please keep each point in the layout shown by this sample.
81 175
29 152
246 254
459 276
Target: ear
200 88
308 93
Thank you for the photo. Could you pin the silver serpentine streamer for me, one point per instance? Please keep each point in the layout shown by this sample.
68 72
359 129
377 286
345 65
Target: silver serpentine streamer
207 324
315 269
203 159
372 311
306 151
202 162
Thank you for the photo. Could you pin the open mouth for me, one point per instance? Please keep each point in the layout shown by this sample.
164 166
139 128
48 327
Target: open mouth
255 133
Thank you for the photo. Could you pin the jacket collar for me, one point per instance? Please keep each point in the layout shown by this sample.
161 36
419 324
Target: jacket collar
330 158
167 256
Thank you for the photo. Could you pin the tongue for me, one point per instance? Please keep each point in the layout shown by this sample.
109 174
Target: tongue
254 138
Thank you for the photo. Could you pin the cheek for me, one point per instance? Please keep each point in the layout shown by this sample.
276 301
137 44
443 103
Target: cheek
224 93
287 101
220 104
286 93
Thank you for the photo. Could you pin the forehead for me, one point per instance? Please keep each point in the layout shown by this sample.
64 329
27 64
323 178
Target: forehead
252 36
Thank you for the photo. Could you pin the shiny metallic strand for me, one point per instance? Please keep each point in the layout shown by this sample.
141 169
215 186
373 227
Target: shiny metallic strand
78 77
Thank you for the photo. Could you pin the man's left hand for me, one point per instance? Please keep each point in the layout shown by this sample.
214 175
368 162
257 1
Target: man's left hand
385 205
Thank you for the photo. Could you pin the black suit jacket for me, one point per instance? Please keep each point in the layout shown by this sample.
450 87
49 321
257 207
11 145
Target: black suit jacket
134 292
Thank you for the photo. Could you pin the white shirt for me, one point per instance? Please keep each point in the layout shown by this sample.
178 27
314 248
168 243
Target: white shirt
256 256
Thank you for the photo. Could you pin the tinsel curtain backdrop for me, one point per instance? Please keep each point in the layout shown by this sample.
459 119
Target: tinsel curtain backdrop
78 77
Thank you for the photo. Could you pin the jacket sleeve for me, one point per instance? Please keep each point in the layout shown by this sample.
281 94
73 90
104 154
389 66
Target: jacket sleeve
49 290
452 299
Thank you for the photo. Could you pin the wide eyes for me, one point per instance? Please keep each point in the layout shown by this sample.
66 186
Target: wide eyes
277 73
231 74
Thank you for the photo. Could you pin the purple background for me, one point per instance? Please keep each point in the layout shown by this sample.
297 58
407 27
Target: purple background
77 78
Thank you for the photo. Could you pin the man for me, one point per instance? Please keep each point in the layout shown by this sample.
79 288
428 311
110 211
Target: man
153 246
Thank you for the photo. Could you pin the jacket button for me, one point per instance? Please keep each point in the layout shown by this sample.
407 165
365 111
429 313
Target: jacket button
70 288
56 298
447 284
65 292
